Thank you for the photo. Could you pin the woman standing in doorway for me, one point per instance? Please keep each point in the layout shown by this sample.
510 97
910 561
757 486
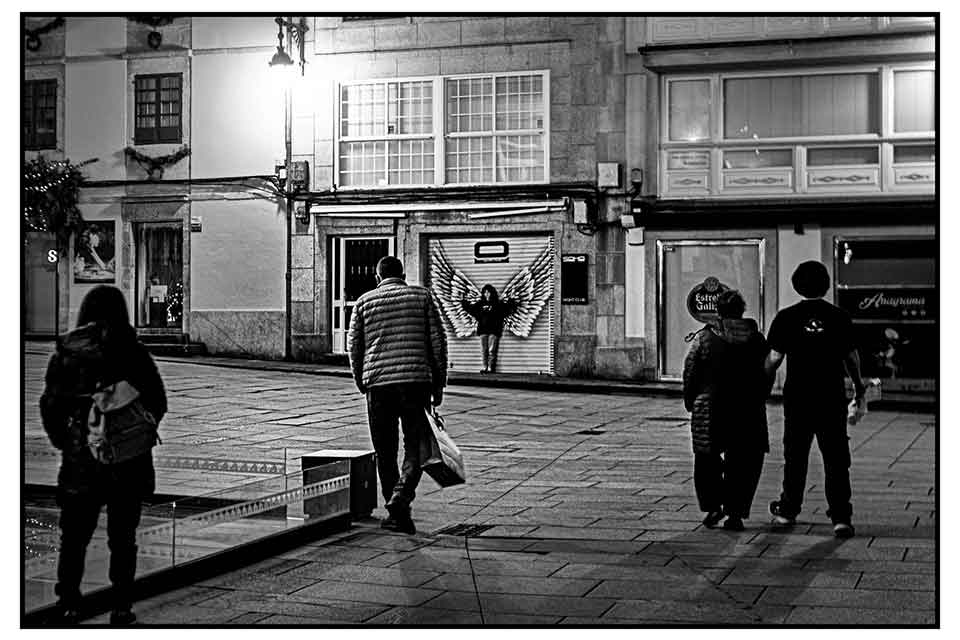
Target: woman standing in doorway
490 312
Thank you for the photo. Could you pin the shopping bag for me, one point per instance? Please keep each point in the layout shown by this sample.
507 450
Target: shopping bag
439 455
857 410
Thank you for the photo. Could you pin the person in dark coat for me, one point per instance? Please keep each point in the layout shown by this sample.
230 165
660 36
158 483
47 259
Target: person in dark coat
103 349
490 312
398 355
725 388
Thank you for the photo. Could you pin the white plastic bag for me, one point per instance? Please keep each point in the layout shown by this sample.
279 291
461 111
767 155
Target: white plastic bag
857 410
440 458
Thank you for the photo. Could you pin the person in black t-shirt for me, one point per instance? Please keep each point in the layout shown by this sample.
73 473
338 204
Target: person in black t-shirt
817 338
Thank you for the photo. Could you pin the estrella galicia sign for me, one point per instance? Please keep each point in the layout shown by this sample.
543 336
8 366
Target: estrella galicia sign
702 299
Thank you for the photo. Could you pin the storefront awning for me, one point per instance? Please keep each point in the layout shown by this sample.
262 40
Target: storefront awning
478 209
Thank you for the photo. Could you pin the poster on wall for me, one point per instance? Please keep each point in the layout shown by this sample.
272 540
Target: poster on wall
94 250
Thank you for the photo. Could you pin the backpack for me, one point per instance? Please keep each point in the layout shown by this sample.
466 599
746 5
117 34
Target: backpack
120 428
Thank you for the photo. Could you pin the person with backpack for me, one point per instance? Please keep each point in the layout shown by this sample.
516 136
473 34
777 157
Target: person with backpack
490 312
817 339
725 389
101 405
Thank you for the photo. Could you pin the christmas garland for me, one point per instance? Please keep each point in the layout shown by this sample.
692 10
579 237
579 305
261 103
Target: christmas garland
153 21
33 35
50 192
156 165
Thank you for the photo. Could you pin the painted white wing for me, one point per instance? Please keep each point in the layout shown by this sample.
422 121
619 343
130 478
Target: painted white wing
530 289
450 286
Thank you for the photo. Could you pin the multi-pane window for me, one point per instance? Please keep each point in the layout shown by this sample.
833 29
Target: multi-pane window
495 129
158 103
489 129
801 106
386 133
913 97
40 114
863 129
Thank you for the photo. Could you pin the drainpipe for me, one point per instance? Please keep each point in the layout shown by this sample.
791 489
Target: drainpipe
288 160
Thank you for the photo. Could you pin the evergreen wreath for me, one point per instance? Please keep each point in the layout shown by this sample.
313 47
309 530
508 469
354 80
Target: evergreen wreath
50 193
154 38
33 35
155 166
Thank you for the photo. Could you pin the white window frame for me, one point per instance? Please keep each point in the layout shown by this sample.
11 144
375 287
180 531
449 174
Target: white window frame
890 108
386 138
717 144
439 134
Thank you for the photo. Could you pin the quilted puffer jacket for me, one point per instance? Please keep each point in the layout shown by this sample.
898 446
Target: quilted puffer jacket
725 387
396 336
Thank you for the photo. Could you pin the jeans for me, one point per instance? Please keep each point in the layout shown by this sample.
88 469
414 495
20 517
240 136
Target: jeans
489 343
727 484
78 521
829 425
406 403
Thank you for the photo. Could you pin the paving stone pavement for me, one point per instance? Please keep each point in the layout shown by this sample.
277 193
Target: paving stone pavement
590 503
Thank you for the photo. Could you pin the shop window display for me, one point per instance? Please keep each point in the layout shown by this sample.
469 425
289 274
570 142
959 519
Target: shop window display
889 288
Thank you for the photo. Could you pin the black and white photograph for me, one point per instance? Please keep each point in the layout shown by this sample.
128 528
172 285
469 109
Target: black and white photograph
539 319
93 255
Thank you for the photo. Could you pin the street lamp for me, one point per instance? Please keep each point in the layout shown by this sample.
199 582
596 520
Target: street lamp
295 33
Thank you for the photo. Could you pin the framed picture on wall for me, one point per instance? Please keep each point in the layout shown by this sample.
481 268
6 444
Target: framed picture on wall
94 252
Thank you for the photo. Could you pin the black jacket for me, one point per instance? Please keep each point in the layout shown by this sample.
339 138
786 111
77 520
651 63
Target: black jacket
86 359
490 314
725 387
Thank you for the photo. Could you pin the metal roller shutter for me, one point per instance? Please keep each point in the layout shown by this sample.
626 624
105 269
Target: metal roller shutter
481 260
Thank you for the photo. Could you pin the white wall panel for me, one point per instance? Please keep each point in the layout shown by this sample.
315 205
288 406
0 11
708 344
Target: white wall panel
237 260
96 117
237 115
91 36
222 32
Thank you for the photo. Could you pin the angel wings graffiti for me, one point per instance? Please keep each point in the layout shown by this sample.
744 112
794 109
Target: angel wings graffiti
530 289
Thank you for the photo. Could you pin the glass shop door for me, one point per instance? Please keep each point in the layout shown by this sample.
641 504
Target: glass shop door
159 277
684 266
353 270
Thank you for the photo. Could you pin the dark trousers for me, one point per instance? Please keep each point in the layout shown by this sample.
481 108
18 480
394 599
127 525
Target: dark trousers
829 426
386 405
78 521
490 345
727 483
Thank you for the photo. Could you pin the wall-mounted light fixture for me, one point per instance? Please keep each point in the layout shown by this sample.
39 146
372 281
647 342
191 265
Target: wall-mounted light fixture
297 31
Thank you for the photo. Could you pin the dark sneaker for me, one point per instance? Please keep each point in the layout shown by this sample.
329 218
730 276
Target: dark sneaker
389 523
713 519
733 523
67 617
843 530
122 617
778 517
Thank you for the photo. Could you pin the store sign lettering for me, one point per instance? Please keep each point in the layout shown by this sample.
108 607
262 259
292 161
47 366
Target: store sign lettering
879 300
886 304
53 256
702 299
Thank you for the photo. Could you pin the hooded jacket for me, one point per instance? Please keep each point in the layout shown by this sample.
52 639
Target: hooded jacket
725 387
87 358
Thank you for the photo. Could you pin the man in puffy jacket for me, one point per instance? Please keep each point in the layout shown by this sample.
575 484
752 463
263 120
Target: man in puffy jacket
398 353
